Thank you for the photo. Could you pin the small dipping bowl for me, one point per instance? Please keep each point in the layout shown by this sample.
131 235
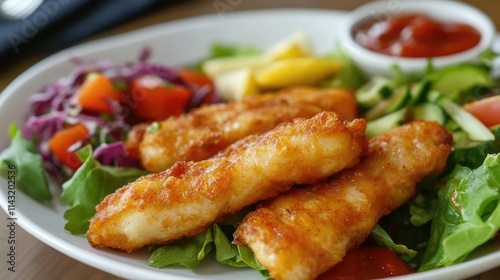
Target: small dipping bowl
375 63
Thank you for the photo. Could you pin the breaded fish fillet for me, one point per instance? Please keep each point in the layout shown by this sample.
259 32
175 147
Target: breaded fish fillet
204 132
306 231
190 196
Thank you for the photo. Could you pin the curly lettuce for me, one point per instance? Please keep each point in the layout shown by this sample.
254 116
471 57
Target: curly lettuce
468 214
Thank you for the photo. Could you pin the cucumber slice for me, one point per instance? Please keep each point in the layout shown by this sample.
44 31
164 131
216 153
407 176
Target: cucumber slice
399 99
429 112
377 89
419 91
452 80
385 123
467 122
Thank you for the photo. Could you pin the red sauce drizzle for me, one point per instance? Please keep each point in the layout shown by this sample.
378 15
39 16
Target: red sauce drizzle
416 35
367 263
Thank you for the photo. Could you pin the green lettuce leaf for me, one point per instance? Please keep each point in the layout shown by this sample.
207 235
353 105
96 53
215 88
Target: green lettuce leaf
349 75
88 187
248 257
383 238
219 50
423 209
225 251
22 157
187 252
468 214
226 50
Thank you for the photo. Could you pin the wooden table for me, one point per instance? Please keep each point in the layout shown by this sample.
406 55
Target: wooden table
39 261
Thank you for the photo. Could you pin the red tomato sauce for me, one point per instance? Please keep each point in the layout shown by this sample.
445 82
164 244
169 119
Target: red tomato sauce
367 263
416 35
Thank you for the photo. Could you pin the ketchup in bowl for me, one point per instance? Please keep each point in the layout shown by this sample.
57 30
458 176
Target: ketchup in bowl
416 35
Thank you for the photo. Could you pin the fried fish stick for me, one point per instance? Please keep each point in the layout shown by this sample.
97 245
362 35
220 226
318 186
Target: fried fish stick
306 231
206 131
189 197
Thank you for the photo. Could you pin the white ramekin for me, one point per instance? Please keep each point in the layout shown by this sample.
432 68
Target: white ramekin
373 63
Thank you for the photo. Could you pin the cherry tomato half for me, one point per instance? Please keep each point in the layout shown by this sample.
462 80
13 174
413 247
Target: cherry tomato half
486 110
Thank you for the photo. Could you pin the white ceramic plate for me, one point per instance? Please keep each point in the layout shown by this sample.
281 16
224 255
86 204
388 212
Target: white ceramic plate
175 43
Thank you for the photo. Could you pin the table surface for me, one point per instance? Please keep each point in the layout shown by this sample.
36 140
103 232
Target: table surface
39 261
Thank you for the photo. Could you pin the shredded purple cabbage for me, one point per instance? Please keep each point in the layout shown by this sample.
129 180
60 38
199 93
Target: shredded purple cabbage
54 107
114 154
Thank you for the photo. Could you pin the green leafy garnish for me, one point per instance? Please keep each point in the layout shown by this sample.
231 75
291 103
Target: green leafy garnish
226 50
187 252
382 238
154 127
22 157
468 214
88 187
248 257
225 251
349 75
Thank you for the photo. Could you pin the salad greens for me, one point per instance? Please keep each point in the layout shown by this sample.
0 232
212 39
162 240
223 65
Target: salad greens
90 184
219 50
384 239
349 76
454 212
225 50
187 252
468 214
31 175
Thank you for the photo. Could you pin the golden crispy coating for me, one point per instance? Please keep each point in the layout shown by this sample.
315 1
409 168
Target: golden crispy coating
204 132
306 231
187 198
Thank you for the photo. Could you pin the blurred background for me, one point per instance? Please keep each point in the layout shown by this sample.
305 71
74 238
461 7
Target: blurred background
58 24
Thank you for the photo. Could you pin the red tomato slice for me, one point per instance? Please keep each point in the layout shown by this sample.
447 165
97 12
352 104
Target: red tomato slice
62 140
199 80
154 100
486 110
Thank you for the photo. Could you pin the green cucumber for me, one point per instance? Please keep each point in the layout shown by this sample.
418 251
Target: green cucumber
385 123
429 112
467 122
451 81
419 91
377 89
399 99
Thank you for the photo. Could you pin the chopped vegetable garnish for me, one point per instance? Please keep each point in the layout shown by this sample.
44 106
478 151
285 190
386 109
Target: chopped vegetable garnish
153 99
61 143
96 93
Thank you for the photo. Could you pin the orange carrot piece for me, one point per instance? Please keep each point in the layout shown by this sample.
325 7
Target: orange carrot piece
62 140
94 93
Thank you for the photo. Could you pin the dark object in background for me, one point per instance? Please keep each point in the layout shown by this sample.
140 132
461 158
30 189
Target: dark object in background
56 24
